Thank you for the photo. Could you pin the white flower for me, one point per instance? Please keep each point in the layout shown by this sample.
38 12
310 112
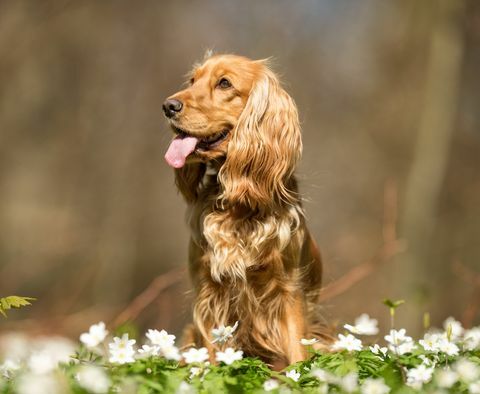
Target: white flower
446 378
59 347
427 361
95 335
206 369
471 339
48 353
308 342
121 350
376 349
474 388
8 368
431 341
374 386
93 379
324 376
438 342
170 353
396 338
364 325
195 371
195 355
163 344
41 363
399 343
453 327
347 342
416 377
292 374
349 382
16 345
149 351
270 384
449 348
229 356
466 370
122 343
160 338
222 333
405 347
121 356
185 388
39 384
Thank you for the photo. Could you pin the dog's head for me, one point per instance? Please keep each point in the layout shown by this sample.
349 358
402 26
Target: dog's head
204 114
235 112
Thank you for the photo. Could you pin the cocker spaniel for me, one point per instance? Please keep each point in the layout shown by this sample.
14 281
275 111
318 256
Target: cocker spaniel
252 259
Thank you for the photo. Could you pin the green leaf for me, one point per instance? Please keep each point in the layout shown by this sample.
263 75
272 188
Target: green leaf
10 302
346 367
152 385
392 375
393 304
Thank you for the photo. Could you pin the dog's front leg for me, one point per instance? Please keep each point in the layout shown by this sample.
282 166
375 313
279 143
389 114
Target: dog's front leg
294 330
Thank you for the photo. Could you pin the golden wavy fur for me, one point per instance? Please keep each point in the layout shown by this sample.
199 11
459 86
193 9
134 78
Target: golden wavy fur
252 258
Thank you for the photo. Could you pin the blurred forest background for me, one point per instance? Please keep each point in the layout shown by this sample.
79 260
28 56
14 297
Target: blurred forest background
389 97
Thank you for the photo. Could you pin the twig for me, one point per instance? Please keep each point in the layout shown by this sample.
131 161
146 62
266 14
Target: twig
473 279
187 346
361 271
63 323
149 295
391 246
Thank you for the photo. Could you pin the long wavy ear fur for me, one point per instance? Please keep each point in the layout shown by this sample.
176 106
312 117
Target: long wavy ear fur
264 148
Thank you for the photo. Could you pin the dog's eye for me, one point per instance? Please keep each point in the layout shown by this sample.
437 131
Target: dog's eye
224 83
192 81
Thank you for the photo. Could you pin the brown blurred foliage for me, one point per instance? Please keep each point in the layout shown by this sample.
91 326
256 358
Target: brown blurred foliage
388 91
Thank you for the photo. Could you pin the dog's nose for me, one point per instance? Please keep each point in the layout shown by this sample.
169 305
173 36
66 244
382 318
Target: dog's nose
171 107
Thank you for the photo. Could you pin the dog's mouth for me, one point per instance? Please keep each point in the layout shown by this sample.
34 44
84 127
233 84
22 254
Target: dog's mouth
205 143
185 143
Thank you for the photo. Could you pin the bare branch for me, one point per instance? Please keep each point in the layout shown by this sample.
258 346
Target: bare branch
145 298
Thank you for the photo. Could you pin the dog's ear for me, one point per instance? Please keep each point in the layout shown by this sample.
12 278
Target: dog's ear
188 179
264 149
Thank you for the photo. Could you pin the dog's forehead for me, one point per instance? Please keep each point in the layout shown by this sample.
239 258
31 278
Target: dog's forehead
226 65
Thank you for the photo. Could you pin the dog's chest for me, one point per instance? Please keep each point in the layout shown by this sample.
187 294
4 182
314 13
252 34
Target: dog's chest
239 244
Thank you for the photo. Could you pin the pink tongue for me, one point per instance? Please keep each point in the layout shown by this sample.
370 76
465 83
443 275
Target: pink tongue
179 149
